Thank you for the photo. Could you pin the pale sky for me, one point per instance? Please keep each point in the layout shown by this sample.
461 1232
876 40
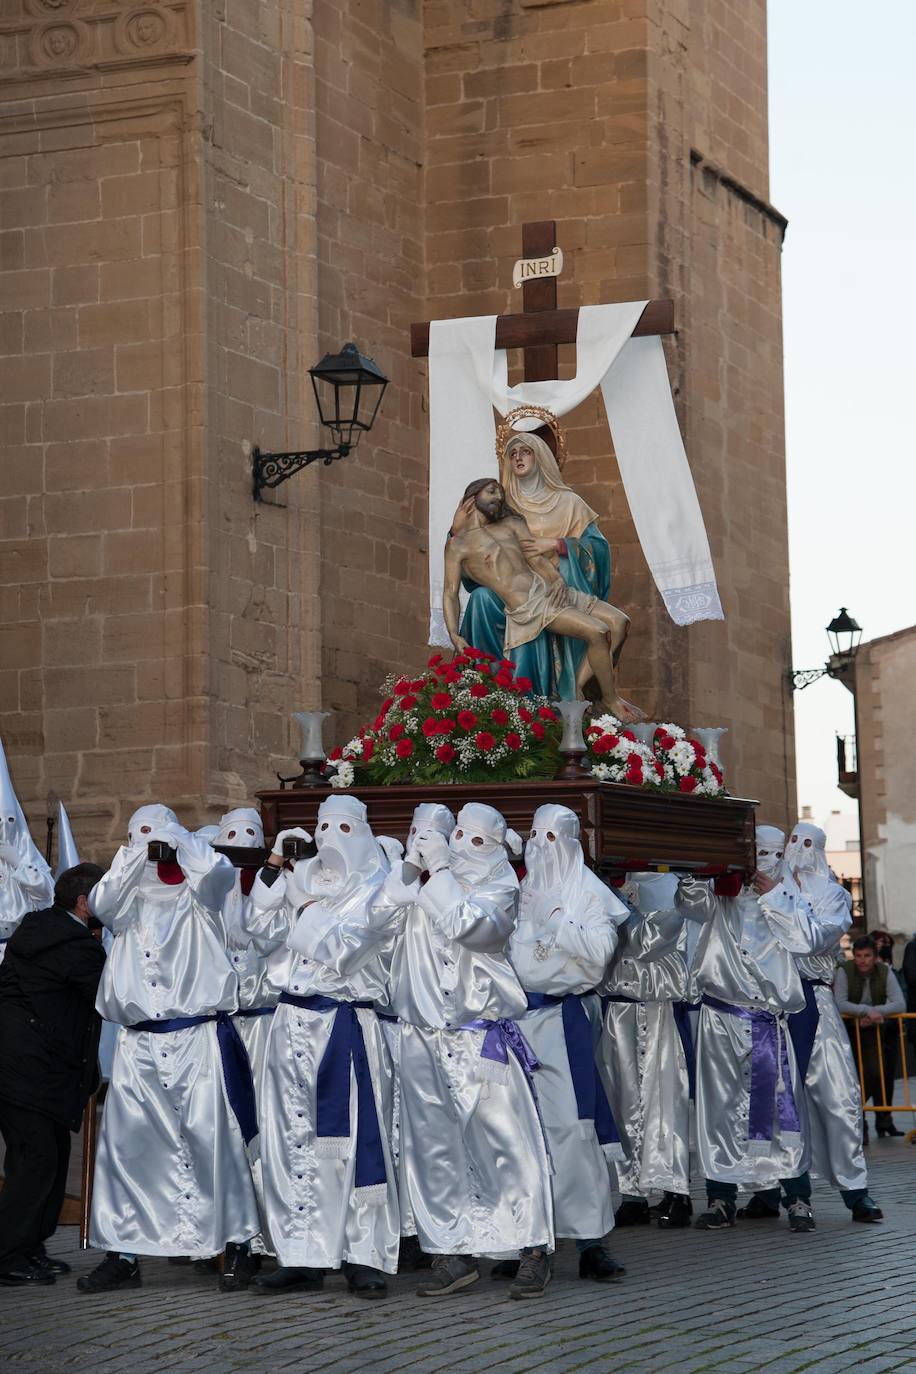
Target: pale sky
843 169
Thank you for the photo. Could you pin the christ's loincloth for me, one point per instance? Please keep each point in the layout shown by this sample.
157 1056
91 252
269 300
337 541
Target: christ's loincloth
545 602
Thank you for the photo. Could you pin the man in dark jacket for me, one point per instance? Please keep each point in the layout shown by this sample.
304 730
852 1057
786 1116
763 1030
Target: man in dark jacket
49 1036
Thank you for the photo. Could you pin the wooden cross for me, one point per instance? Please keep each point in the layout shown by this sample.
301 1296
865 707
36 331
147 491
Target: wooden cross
542 327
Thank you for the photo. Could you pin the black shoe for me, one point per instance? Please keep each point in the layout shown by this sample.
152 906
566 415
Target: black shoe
534 1274
288 1278
884 1125
49 1263
26 1274
801 1218
866 1209
239 1268
596 1264
633 1212
865 1136
720 1216
758 1209
202 1266
411 1256
447 1274
364 1281
112 1273
504 1269
676 1210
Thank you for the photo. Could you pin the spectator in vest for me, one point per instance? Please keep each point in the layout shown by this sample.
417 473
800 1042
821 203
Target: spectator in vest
867 989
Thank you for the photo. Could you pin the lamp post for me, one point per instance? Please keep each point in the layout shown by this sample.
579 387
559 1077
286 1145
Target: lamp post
844 635
348 392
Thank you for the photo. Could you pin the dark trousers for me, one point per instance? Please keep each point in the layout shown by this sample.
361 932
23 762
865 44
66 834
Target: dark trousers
795 1189
35 1168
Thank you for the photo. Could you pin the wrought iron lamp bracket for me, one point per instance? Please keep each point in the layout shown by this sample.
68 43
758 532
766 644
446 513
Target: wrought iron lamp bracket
800 678
270 469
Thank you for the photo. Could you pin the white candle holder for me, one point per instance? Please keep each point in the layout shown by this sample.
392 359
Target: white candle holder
572 743
709 737
312 752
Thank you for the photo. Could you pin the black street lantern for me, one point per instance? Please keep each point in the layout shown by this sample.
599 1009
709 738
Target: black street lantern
348 392
844 634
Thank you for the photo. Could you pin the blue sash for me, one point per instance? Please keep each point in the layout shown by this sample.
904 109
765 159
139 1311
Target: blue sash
346 1046
591 1099
233 1056
803 1025
682 1012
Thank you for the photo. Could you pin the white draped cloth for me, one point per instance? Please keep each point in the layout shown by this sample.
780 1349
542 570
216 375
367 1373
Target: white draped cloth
468 377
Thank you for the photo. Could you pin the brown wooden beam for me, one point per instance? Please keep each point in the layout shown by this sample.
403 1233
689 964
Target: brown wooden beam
549 327
541 363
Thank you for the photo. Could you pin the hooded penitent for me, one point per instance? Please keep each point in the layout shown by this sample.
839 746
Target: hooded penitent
242 828
25 879
770 845
14 830
478 846
67 852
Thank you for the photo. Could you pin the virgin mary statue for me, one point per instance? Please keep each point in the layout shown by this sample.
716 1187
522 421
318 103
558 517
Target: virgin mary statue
565 528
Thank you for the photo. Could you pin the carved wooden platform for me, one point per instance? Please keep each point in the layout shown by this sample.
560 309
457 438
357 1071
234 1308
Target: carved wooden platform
622 827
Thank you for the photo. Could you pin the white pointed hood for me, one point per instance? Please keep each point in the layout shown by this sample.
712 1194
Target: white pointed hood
14 830
67 852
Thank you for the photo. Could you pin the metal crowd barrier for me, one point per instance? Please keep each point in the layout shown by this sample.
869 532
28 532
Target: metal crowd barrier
903 1068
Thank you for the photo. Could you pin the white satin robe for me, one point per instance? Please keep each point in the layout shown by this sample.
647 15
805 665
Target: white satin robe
555 950
24 886
315 1216
171 1174
474 1170
832 1084
643 1055
745 956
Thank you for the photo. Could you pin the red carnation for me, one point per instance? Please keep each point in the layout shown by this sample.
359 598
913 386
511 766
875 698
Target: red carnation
634 761
523 684
503 678
628 734
404 748
614 741
430 727
481 666
368 749
406 702
445 753
507 664
451 675
446 725
471 652
336 753
441 701
513 740
484 741
386 706
402 685
546 714
716 772
602 745
687 785
499 716
537 729
525 715
479 690
418 684
378 723
396 731
431 662
633 776
664 741
659 770
698 751
467 720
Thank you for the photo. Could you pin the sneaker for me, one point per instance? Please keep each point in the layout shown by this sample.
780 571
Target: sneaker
866 1209
633 1212
758 1209
801 1218
675 1211
596 1264
239 1268
447 1274
112 1273
534 1274
48 1263
504 1269
719 1217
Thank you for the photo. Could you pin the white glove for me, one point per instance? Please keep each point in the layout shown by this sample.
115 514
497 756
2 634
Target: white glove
431 849
169 834
296 832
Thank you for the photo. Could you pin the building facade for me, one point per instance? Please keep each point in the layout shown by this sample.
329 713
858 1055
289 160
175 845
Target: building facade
196 202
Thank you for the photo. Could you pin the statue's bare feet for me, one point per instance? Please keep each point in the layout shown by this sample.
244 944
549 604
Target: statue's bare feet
625 711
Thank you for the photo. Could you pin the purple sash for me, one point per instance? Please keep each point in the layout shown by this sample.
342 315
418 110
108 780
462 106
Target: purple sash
771 1078
346 1046
501 1037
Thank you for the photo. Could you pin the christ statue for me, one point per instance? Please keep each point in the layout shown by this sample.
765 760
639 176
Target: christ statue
496 550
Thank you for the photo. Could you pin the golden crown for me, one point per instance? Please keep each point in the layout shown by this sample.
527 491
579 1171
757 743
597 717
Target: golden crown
506 430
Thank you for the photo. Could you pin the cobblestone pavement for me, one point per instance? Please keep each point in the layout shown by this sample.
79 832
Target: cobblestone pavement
755 1298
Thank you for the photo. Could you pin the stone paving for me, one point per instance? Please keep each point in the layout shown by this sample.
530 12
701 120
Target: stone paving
755 1298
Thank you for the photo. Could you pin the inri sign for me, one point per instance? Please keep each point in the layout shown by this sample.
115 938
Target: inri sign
536 269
